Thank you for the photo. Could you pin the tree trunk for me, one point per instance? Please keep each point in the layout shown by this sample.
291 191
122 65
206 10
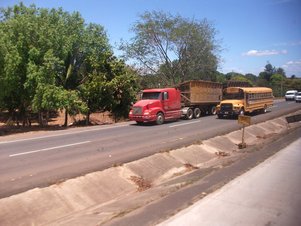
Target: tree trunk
23 116
66 118
88 118
40 118
47 118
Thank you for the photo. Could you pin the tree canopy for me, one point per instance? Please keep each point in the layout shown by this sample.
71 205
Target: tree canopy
51 60
173 48
271 76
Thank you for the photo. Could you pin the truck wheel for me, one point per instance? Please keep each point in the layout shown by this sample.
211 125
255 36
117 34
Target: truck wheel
219 116
160 118
213 110
197 113
189 114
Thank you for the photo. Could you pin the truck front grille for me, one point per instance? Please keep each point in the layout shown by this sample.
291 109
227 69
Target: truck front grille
137 110
226 107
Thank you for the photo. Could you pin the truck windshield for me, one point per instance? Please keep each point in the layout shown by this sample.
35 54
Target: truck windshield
233 96
151 96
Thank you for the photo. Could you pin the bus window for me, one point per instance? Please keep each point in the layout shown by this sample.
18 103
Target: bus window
234 96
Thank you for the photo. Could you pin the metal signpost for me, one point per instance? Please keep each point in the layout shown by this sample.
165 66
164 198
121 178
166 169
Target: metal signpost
245 121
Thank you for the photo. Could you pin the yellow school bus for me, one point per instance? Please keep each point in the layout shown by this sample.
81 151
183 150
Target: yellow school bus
241 100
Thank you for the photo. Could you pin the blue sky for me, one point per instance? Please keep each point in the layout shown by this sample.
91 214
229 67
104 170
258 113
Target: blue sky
251 32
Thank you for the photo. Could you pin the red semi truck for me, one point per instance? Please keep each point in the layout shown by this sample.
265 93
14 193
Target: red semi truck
189 99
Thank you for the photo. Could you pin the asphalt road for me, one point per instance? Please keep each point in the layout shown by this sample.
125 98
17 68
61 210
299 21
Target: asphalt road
41 160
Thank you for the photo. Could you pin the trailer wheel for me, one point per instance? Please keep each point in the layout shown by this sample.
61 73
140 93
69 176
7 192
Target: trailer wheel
160 118
213 110
197 113
189 114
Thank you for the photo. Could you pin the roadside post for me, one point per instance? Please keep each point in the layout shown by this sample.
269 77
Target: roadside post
245 121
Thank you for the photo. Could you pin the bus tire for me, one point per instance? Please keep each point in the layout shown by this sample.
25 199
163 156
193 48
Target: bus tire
241 112
189 114
160 118
197 113
265 109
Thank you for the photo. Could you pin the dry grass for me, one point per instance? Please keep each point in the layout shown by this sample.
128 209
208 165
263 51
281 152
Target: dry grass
141 183
190 167
222 153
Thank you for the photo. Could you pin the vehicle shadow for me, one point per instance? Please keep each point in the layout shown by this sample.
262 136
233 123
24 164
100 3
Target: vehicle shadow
252 114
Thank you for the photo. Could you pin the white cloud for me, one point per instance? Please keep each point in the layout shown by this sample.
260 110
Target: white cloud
292 67
264 52
294 43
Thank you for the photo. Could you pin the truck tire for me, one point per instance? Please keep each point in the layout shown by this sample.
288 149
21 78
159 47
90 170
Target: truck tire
197 113
160 118
189 114
213 110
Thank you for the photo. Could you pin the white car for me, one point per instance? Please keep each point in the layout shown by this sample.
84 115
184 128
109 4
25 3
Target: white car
290 95
298 97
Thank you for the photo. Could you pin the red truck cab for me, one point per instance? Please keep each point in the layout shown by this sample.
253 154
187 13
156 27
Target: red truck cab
157 105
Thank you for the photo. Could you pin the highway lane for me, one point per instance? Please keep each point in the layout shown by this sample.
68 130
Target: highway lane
55 156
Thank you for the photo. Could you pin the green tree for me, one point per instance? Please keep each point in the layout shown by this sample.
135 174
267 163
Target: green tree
112 90
268 72
292 84
220 77
51 60
124 89
281 71
151 81
242 78
277 82
251 77
173 47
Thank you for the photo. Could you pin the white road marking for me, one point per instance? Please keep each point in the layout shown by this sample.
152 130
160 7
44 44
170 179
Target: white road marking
184 124
48 149
62 134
